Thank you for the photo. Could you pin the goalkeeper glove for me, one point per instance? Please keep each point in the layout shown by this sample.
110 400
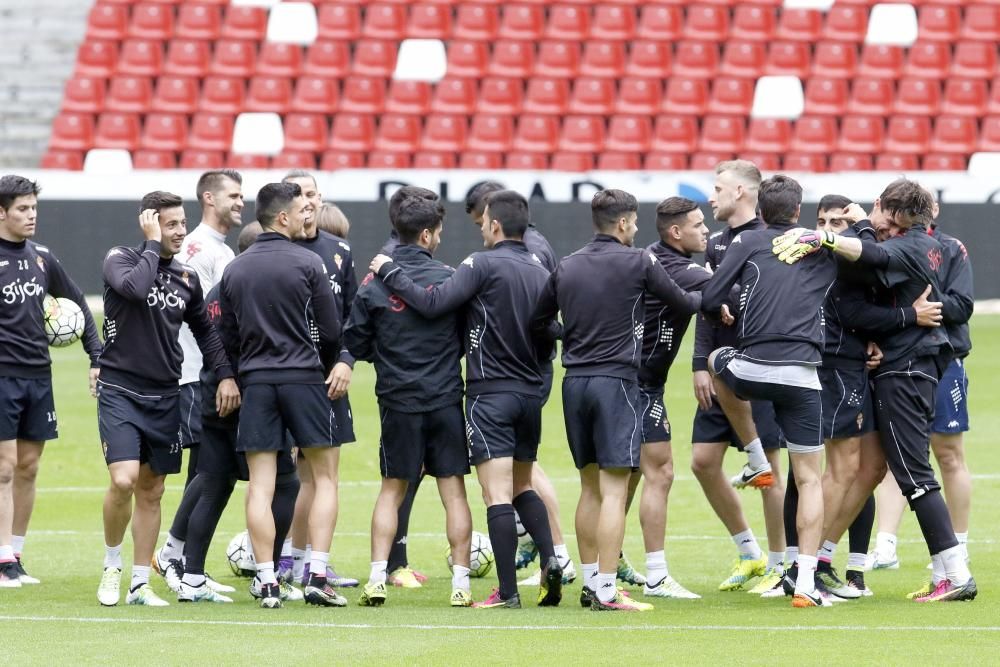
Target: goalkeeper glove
796 243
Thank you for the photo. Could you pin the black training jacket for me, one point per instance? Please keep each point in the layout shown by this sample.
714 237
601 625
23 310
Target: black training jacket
957 299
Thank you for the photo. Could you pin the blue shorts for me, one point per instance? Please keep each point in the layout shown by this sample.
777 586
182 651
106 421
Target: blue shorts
27 409
191 414
270 412
139 427
655 424
602 421
951 408
848 409
502 425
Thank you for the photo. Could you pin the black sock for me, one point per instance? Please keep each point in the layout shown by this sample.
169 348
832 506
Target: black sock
286 490
935 522
859 535
535 519
791 509
503 535
212 501
192 471
397 554
192 492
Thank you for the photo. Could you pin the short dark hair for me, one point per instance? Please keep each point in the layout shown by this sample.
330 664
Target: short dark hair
274 198
510 209
833 201
211 181
415 215
908 202
475 198
298 173
159 200
608 206
13 186
248 235
673 211
404 193
780 198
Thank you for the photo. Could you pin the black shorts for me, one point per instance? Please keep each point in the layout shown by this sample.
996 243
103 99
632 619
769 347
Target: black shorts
548 375
712 425
847 403
417 442
269 410
503 425
191 413
217 454
655 424
344 419
139 427
602 421
27 409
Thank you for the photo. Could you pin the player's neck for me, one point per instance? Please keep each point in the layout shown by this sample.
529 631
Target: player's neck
13 239
741 218
670 243
215 225
311 234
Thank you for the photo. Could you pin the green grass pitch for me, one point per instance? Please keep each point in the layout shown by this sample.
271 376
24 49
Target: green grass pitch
60 622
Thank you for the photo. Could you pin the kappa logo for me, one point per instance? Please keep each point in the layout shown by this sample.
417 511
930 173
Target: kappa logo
469 261
953 424
652 257
4 263
114 251
535 257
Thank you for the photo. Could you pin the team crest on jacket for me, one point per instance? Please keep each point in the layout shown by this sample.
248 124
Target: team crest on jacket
41 263
860 420
184 279
338 260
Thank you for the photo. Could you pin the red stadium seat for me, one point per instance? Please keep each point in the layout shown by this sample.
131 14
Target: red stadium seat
649 59
384 21
339 21
199 21
409 97
500 95
334 160
398 132
768 135
514 59
389 160
753 23
659 22
629 134
918 97
84 95
352 133
490 133
613 22
431 160
164 132
129 94
269 93
557 59
305 132
861 134
732 95
851 162
930 60
814 162
764 161
117 130
802 25
96 58
965 97
235 58
584 134
871 96
187 58
974 60
982 22
592 95
140 58
72 132
896 162
530 161
743 59
845 23
954 134
546 95
572 161
176 94
455 96
525 22
814 134
665 162
210 132
151 21
696 60
684 95
294 160
881 60
374 58
154 160
107 22
245 23
908 135
568 22
835 60
675 134
536 134
944 162
468 59
993 103
826 96
330 59
640 96
243 161
362 94
445 133
603 59
938 22
277 59
222 94
618 161
202 160
707 22
314 94
475 21
788 58
989 136
706 160
429 21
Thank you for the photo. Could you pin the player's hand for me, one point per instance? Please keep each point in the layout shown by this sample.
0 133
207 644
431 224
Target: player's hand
726 315
378 262
704 389
227 398
339 381
874 356
796 243
94 375
928 312
149 222
854 212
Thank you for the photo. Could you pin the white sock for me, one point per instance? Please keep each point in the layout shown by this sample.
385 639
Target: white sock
308 557
173 549
855 561
140 576
805 582
298 562
113 556
963 541
6 553
885 544
955 567
774 559
265 573
562 553
589 574
827 551
286 548
656 567
791 555
192 579
377 575
459 577
747 544
605 586
755 454
317 564
937 569
17 541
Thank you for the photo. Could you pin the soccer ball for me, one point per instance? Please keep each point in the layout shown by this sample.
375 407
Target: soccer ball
239 554
481 560
63 321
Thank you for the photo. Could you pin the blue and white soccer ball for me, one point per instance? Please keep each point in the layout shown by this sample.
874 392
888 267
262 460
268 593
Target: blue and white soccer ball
63 321
239 555
481 556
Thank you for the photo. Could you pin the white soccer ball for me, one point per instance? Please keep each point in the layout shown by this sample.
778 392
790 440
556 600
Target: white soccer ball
239 554
63 321
481 556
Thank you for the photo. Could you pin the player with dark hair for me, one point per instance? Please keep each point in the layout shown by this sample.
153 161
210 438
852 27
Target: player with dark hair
600 290
28 271
337 258
220 195
498 290
395 201
147 294
419 390
279 312
734 202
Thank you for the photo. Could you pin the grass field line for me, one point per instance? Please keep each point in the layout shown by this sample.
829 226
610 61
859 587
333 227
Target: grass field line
504 628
